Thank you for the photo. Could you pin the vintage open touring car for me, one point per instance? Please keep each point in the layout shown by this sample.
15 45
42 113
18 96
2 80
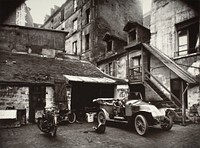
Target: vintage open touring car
135 111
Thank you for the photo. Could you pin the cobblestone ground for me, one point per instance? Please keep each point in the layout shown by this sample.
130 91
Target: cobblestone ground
116 135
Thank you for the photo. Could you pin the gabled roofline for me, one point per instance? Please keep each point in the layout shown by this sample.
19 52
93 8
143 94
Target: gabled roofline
132 24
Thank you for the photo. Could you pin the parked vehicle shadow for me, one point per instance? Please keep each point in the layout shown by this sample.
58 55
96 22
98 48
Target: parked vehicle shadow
153 131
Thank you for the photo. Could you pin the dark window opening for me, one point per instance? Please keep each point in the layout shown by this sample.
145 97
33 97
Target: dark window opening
87 16
75 25
109 46
37 100
110 69
177 90
87 39
62 15
74 47
132 36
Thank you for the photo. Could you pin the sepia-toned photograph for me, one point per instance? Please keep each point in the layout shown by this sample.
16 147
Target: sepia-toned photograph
99 73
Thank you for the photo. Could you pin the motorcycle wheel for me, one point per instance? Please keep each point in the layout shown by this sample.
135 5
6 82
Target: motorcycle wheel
71 117
40 123
53 131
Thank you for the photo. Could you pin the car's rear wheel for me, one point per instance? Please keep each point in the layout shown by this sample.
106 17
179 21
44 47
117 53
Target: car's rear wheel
167 123
101 118
141 125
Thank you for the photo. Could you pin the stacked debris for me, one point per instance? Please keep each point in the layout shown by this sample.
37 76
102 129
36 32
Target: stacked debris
194 113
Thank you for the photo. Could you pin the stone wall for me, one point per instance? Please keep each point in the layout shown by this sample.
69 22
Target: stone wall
14 96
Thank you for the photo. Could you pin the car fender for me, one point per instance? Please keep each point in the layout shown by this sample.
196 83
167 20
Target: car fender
106 113
135 106
168 111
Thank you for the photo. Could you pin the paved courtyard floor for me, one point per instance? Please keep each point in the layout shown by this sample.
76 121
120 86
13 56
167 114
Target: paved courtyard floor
117 135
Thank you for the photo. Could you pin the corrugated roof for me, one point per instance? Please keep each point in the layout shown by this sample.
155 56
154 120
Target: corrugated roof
170 64
90 79
32 69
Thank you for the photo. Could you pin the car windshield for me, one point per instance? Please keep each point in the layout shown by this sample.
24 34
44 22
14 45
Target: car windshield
135 96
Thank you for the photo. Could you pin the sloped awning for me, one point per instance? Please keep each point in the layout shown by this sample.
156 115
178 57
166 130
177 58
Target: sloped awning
103 80
170 64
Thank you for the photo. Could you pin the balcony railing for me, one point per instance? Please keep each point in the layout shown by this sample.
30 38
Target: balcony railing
185 52
135 74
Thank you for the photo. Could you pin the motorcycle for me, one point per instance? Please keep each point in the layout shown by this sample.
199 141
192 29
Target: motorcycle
48 122
65 115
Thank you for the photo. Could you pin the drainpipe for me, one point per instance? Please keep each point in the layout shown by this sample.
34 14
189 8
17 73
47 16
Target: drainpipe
81 39
183 105
127 67
142 63
93 32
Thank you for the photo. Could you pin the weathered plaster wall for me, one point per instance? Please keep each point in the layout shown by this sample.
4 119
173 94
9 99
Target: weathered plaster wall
101 21
163 31
112 17
121 91
150 95
162 73
193 96
14 96
69 41
119 66
49 97
32 40
82 30
190 64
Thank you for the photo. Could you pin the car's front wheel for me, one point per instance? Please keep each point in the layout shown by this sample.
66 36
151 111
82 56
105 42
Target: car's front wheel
101 118
141 125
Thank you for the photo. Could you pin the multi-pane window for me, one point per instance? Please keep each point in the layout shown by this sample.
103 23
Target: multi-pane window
75 5
188 37
87 41
74 47
182 42
135 61
109 45
88 16
75 25
135 70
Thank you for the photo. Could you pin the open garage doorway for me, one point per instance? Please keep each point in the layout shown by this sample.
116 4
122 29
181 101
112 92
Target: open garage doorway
84 93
